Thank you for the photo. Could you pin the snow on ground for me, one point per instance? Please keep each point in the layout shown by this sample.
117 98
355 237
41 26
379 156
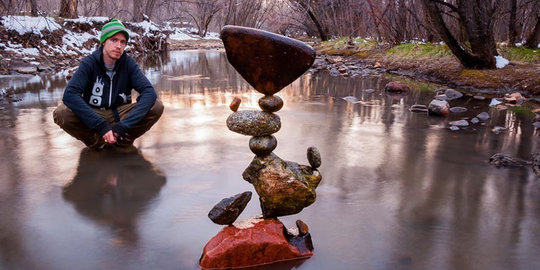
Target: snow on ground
501 61
27 24
73 41
89 20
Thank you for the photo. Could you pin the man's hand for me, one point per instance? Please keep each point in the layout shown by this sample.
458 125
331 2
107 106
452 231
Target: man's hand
109 137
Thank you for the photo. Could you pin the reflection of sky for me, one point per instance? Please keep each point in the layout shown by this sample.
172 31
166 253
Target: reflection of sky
406 191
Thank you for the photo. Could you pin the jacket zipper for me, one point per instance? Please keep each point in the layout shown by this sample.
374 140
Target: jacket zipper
110 91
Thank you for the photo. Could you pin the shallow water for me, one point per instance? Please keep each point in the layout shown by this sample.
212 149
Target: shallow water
399 190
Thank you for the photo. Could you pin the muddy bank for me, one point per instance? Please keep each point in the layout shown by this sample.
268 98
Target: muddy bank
515 77
195 44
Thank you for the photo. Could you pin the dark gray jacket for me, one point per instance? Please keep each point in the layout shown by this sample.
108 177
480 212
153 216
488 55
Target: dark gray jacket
91 87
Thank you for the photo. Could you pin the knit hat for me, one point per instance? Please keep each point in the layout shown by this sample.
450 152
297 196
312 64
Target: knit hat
112 28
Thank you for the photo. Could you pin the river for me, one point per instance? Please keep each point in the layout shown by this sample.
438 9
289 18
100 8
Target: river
399 190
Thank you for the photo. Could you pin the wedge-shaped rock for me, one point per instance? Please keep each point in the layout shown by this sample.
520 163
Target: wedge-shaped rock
227 210
267 61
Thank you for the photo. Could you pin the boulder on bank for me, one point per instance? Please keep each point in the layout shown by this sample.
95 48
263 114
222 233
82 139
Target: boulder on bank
397 86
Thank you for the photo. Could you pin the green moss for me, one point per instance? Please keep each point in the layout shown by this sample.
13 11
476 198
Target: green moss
522 111
521 54
473 73
361 54
350 43
418 50
416 85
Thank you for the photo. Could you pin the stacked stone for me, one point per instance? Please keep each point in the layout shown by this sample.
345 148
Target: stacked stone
259 124
268 62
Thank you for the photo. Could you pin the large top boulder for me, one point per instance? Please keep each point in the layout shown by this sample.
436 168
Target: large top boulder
267 61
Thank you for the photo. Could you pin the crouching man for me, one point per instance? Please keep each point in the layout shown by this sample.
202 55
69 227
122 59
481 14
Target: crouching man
97 107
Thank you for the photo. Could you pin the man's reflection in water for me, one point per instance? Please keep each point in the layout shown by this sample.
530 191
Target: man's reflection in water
113 189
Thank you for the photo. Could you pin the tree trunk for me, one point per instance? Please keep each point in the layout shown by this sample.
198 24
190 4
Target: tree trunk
68 9
33 8
150 7
475 18
512 30
137 11
534 37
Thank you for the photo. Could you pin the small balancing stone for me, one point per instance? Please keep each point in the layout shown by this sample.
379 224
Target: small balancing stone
262 145
314 157
235 104
271 103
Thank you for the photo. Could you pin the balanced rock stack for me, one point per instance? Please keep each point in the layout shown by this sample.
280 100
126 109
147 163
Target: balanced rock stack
268 62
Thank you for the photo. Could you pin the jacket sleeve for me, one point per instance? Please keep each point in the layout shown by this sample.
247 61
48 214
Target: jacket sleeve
73 99
145 101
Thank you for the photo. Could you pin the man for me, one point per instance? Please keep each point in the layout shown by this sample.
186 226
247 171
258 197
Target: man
97 108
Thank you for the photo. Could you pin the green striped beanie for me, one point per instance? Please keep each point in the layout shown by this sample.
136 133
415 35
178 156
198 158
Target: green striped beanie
112 28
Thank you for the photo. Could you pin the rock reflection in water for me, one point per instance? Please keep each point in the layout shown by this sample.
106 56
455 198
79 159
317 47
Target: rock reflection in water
113 189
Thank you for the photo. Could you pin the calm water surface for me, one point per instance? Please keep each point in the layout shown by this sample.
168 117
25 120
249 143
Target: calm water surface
399 190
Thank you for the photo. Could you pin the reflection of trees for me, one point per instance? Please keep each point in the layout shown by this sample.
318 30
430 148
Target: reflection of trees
114 189
12 249
453 204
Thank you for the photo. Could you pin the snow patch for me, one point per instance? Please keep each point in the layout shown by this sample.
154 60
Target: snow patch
26 24
89 20
501 61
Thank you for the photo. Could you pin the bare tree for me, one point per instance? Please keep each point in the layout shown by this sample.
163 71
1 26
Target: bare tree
33 7
534 36
512 29
475 20
307 6
68 8
202 12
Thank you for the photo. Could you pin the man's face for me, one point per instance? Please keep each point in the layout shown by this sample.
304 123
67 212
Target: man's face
113 47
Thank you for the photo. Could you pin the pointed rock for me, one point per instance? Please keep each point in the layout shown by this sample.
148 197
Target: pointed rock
267 61
302 227
227 210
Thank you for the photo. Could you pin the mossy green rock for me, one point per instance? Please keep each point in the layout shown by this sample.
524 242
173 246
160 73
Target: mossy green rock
284 187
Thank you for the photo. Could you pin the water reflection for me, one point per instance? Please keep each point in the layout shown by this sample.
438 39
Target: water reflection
113 189
401 190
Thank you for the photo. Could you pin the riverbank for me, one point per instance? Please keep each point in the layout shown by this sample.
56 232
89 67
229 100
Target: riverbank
34 45
435 63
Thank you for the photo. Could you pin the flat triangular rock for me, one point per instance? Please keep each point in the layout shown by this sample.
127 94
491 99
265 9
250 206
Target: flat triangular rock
267 61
